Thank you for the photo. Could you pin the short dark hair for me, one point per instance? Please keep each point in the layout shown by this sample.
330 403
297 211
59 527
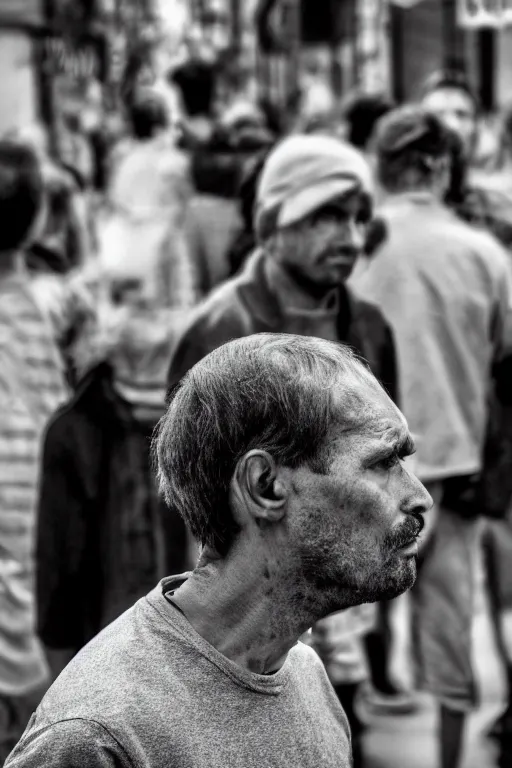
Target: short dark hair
147 115
21 193
408 139
268 391
451 77
362 112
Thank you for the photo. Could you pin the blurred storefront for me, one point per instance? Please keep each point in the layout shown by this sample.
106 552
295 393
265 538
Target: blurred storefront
475 35
21 23
387 44
341 42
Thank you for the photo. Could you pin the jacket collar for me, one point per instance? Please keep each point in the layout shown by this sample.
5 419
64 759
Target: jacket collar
95 393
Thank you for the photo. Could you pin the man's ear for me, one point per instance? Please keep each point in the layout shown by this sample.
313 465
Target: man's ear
258 483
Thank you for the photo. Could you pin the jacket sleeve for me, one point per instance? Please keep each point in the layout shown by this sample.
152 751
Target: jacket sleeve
389 365
209 328
60 543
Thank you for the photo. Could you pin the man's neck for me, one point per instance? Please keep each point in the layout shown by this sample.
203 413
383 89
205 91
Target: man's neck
245 608
293 293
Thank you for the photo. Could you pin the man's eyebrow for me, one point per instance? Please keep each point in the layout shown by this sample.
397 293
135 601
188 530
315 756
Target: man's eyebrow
402 445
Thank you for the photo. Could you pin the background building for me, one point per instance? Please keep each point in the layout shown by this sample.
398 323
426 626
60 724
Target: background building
21 30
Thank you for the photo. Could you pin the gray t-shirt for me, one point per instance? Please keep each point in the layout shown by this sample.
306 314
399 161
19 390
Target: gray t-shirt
150 692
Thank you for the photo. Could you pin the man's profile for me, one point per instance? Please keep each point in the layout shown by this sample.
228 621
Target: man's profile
284 455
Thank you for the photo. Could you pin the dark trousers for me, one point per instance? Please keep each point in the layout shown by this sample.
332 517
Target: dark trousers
378 644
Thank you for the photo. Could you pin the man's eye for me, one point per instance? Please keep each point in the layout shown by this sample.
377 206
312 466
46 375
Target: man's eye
389 462
329 216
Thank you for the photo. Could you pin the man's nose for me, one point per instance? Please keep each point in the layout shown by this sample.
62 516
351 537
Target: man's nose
420 501
353 235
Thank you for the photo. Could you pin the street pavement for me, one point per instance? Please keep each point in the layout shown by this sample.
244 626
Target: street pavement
410 741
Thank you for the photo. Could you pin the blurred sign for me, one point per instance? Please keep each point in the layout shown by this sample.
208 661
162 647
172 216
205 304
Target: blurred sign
484 13
76 62
276 23
372 53
21 12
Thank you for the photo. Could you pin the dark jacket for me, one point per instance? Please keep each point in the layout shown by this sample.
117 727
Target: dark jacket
104 538
245 305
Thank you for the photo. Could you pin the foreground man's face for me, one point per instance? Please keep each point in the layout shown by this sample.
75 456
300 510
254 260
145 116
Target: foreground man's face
353 530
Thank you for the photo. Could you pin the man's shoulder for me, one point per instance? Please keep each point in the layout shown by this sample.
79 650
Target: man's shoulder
481 243
222 300
68 743
138 652
445 227
305 655
224 311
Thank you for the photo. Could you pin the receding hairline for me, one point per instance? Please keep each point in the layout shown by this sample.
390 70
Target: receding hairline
281 351
352 377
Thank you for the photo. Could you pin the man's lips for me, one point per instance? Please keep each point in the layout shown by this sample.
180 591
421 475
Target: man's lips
340 258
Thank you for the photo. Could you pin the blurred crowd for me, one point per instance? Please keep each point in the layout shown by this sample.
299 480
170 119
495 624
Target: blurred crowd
186 227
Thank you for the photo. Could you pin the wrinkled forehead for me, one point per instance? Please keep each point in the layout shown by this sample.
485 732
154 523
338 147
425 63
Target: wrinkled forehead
370 413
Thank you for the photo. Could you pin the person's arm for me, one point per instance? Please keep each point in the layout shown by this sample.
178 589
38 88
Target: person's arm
494 488
196 250
61 540
79 232
73 743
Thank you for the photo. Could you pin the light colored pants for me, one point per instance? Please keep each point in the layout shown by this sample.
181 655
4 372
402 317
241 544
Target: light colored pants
443 609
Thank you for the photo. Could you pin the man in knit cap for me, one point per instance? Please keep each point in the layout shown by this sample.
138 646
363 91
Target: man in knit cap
313 207
312 214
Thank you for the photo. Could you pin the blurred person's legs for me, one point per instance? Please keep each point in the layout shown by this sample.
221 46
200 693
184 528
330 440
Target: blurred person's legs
377 644
451 736
497 541
338 640
442 624
389 645
387 649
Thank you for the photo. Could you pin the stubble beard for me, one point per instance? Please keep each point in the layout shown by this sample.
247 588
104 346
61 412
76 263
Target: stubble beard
315 288
337 588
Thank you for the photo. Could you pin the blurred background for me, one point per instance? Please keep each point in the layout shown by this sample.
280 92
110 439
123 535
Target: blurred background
130 177
61 59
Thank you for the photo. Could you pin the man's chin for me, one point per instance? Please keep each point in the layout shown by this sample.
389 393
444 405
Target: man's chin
394 584
406 577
